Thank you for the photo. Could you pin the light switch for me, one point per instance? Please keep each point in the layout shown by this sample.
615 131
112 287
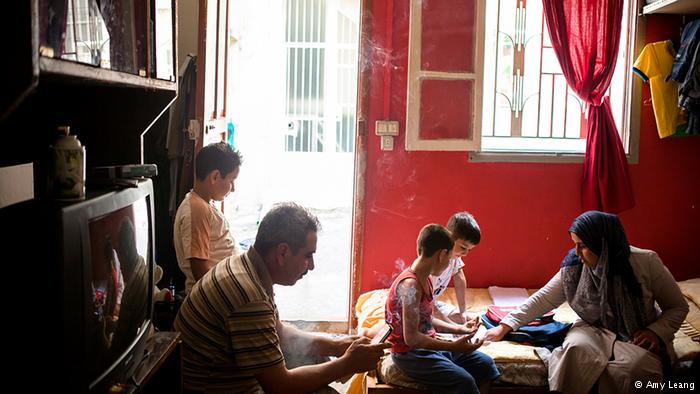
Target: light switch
193 129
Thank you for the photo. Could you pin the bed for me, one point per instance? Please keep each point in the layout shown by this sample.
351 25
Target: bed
521 369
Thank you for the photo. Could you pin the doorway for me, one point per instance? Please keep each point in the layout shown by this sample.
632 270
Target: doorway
291 112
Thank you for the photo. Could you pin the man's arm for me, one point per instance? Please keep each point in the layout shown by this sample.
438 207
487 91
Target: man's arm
296 341
359 357
200 267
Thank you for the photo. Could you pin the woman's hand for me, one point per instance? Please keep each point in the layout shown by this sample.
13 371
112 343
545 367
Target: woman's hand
497 333
647 339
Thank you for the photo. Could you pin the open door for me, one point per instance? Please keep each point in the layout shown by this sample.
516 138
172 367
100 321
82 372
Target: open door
212 66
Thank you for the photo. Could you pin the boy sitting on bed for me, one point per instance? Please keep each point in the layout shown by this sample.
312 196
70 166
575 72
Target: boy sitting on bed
466 235
444 366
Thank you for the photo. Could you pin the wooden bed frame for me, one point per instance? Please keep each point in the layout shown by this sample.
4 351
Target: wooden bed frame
372 386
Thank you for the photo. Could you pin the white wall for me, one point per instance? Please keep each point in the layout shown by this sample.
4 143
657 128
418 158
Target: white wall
187 33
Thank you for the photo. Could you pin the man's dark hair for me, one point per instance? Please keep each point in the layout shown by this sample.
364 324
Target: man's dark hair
288 223
126 246
218 156
433 238
462 225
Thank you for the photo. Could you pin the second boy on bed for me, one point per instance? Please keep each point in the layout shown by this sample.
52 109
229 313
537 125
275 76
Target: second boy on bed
466 235
444 366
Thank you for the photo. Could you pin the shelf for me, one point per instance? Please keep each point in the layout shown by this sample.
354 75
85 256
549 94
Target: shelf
161 369
673 7
83 72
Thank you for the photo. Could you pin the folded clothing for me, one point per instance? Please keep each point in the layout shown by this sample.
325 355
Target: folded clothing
549 335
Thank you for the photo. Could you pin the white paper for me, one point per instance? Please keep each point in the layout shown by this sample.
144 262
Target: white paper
507 296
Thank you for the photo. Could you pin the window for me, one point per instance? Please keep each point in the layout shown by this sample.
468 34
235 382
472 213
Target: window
444 84
87 40
525 105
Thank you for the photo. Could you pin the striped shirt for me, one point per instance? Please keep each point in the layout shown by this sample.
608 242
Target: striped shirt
228 325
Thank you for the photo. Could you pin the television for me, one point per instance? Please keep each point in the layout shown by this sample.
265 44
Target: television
89 266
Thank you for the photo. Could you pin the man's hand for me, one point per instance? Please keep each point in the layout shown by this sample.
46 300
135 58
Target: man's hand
343 343
360 356
497 333
647 339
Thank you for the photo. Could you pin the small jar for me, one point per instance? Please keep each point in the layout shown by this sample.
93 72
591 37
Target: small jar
66 175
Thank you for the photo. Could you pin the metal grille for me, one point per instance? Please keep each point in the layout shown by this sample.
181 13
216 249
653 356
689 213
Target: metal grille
527 102
529 96
87 40
321 45
347 84
305 38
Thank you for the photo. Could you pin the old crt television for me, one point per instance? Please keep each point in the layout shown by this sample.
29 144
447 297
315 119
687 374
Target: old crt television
82 309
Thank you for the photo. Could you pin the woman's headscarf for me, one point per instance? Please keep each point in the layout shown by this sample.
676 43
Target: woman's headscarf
609 287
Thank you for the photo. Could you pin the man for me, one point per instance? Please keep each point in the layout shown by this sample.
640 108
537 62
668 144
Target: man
201 233
233 338
133 308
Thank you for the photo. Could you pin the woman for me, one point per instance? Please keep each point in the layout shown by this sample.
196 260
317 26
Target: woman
612 286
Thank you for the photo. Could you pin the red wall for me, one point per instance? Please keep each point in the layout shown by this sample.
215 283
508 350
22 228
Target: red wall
524 209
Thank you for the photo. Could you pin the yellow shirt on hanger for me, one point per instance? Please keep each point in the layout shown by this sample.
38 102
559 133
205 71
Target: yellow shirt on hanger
654 65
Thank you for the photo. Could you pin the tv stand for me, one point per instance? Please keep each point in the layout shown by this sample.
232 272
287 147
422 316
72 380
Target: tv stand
161 369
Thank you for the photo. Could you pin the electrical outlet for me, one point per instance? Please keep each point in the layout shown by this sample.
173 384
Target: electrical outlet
387 142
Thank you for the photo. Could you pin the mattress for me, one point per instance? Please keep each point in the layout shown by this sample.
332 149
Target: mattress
518 363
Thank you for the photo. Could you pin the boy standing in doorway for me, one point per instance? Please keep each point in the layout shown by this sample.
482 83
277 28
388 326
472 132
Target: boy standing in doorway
201 232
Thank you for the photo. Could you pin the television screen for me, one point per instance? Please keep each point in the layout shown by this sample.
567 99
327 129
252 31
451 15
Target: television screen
119 247
84 313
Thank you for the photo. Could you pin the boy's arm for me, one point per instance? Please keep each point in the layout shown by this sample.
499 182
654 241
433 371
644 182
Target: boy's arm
200 267
437 314
410 293
452 328
460 283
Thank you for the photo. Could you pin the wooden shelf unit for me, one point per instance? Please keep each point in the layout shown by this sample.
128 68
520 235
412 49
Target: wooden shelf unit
91 74
672 7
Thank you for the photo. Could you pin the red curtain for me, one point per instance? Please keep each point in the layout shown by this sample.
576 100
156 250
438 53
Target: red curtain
585 35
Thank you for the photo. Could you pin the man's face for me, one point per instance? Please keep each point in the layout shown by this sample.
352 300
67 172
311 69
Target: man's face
296 265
